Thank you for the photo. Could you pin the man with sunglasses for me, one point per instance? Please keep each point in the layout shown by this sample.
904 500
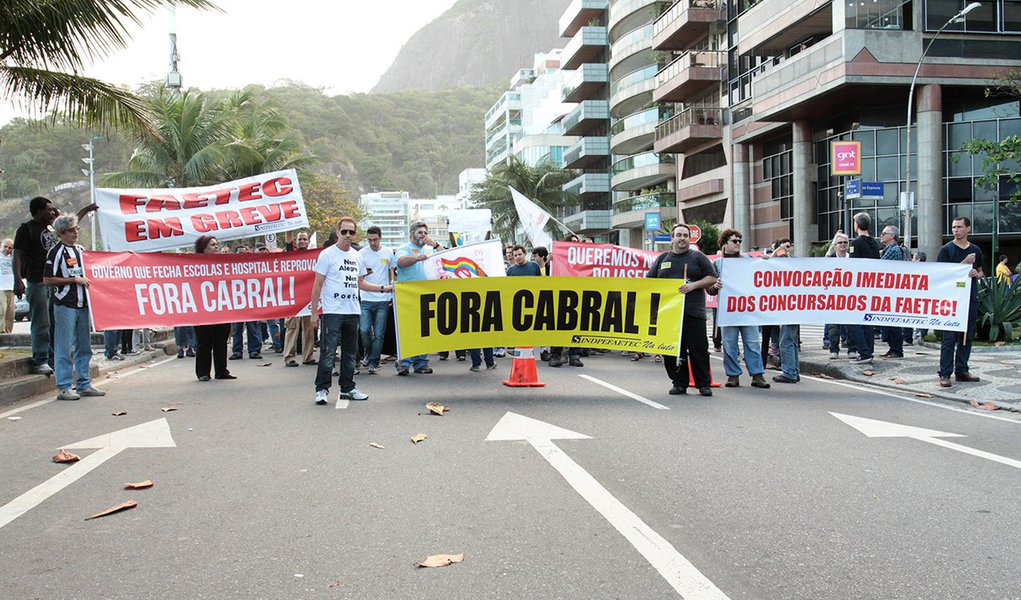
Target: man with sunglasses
730 247
340 273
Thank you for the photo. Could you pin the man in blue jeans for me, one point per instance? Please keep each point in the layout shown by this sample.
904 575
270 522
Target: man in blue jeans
339 275
410 268
71 336
730 247
378 260
32 242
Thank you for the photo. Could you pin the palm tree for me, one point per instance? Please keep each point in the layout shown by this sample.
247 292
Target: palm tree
43 48
191 149
261 142
543 184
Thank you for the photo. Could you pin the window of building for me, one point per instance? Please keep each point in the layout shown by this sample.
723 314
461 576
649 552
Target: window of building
696 164
777 172
996 16
877 14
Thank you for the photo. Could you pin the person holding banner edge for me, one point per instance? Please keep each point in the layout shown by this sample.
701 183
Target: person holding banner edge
955 347
410 268
681 262
211 340
340 273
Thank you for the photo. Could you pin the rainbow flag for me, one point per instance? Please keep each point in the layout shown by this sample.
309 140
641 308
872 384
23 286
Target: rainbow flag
461 267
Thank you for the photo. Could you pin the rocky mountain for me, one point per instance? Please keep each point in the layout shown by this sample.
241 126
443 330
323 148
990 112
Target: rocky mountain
476 42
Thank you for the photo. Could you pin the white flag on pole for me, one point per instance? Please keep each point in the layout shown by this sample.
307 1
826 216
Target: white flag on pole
533 219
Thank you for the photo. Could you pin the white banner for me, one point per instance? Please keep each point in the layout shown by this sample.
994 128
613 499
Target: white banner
471 225
798 291
483 259
533 219
161 219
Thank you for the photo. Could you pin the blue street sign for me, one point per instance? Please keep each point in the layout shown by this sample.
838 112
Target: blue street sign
856 188
652 221
662 238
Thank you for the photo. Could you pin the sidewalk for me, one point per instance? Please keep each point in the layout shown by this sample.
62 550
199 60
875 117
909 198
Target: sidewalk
998 369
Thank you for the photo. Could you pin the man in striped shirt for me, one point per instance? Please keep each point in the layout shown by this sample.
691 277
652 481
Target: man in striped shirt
72 347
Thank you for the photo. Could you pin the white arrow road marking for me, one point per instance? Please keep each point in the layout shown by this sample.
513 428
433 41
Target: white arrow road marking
687 580
154 434
873 428
631 395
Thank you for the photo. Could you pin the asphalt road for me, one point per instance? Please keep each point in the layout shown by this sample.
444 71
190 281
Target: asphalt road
764 493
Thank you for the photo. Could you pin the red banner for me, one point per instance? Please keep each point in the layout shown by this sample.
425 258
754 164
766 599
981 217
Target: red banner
131 290
600 260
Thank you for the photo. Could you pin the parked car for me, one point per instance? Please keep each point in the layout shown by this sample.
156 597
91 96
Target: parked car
21 309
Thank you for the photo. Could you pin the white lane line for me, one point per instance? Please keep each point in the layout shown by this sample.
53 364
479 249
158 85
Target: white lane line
624 392
94 384
875 390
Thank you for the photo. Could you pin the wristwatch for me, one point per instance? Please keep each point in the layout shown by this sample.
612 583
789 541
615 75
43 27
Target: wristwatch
381 288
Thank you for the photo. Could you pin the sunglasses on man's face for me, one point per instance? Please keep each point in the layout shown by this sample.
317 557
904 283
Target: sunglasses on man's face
347 232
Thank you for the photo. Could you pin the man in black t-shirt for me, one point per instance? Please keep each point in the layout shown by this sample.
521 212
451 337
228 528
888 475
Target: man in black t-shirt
863 246
681 262
955 347
31 243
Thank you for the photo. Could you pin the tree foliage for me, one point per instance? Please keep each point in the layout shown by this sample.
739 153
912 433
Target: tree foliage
44 47
327 200
1001 162
542 184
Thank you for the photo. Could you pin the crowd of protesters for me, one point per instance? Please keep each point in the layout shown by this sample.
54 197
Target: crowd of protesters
354 287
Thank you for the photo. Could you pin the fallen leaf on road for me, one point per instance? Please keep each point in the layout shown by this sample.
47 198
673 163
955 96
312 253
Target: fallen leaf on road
899 381
418 437
923 395
119 414
266 365
63 456
869 373
823 376
139 485
375 445
334 583
441 560
986 406
437 408
999 343
114 509
169 408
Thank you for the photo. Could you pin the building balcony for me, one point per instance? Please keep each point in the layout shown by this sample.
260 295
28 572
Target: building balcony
685 22
587 221
625 15
633 91
691 74
588 46
645 202
588 185
642 171
586 118
588 82
587 152
623 51
689 129
579 13
636 133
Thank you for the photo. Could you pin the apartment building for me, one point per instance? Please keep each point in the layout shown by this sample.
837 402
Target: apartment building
762 89
390 211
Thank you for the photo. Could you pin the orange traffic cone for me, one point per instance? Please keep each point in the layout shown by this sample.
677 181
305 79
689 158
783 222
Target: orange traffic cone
691 377
523 370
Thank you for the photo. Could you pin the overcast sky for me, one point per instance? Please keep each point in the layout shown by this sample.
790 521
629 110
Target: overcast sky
341 45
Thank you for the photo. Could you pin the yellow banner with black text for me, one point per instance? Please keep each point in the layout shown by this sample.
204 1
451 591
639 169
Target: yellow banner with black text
642 315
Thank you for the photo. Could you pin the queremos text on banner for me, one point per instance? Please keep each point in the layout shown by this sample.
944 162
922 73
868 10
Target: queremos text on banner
620 314
144 220
154 289
481 259
787 291
600 260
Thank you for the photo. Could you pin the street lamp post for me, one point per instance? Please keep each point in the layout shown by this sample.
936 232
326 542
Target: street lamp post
907 196
91 172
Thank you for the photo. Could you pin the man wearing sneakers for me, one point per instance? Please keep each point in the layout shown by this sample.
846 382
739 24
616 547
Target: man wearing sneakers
730 247
378 261
340 273
863 246
410 268
955 347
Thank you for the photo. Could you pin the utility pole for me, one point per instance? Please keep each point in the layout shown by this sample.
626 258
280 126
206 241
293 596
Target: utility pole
173 77
91 172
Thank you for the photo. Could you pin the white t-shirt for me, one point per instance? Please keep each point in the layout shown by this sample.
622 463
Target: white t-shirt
341 268
6 273
377 264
